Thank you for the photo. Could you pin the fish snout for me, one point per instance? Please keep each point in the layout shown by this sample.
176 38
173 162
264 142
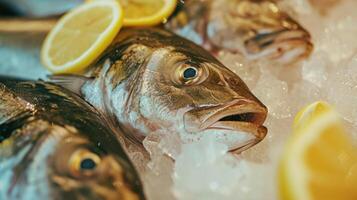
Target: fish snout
239 123
285 46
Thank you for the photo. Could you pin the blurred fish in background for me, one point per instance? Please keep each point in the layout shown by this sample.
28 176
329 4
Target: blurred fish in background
257 29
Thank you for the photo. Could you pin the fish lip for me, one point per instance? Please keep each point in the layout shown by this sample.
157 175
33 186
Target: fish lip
237 108
258 133
275 44
230 118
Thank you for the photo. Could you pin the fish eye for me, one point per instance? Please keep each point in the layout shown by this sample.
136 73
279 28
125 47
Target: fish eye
88 164
84 162
190 73
186 74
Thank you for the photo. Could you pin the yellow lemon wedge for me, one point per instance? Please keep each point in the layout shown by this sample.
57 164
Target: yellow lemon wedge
147 12
310 113
81 36
320 161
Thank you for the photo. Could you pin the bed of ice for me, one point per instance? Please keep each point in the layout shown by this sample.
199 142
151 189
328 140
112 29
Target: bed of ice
20 55
204 170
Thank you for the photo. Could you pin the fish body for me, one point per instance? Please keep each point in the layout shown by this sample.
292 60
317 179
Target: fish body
257 29
150 79
54 145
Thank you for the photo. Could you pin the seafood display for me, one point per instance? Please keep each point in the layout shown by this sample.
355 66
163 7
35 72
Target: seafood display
178 99
151 79
54 145
257 29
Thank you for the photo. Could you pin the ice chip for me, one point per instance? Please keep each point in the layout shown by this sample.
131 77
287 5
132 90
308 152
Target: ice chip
316 69
342 89
274 93
204 170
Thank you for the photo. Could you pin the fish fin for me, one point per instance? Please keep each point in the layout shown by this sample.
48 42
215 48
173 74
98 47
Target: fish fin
13 109
71 82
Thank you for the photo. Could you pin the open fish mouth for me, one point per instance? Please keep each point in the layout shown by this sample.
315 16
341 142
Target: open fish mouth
284 46
238 124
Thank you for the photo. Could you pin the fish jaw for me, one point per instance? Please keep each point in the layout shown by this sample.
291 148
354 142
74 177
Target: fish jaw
283 46
238 124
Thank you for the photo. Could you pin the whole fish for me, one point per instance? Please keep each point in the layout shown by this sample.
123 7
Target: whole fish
150 79
257 29
38 8
54 145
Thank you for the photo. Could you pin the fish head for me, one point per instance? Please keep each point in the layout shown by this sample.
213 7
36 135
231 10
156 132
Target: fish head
259 30
87 169
61 162
182 88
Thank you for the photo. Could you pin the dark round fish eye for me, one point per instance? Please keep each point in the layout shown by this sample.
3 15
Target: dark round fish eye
88 164
84 162
190 73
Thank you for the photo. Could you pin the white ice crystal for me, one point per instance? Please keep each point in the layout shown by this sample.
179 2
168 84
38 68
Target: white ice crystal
19 55
204 171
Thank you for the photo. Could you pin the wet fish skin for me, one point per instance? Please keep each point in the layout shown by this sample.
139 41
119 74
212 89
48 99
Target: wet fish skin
140 82
50 139
257 29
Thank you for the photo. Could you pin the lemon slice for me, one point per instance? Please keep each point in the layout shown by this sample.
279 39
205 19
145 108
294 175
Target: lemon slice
81 36
147 12
320 162
309 113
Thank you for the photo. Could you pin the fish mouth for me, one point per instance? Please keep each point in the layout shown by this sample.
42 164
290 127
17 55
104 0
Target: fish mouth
284 46
239 124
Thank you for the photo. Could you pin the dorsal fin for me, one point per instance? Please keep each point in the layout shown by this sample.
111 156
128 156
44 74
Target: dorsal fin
71 82
13 109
